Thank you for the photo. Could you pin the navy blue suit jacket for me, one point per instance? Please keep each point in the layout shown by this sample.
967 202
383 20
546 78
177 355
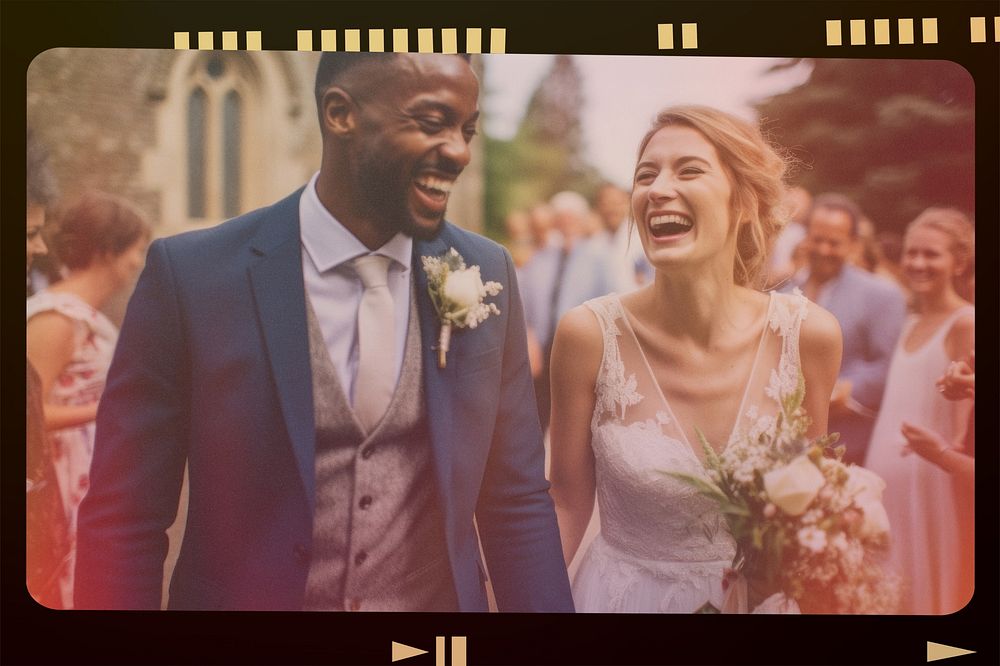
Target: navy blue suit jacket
212 369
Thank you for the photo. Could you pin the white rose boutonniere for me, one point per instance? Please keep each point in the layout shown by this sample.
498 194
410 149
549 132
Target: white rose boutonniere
457 293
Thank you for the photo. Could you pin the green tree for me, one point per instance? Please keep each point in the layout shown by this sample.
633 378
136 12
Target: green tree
546 154
895 135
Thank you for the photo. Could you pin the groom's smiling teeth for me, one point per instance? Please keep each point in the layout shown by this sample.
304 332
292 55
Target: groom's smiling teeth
669 224
436 188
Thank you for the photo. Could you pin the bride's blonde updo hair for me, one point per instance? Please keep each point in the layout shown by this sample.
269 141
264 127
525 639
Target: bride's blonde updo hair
756 173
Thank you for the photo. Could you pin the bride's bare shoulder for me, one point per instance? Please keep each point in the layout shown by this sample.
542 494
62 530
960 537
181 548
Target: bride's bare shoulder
820 338
579 341
580 327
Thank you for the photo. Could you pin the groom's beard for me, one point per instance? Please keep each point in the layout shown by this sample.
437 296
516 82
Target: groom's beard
384 190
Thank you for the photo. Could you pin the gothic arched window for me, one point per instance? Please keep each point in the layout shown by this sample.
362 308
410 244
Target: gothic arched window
216 129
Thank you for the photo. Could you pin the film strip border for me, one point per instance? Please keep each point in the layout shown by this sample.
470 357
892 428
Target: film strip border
428 40
494 40
857 31
665 33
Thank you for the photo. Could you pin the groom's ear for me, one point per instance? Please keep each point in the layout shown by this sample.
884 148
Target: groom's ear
338 112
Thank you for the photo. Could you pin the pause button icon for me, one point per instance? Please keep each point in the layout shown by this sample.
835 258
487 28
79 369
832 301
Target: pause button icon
459 651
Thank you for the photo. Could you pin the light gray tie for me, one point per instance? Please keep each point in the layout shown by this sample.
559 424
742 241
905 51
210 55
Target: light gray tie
376 378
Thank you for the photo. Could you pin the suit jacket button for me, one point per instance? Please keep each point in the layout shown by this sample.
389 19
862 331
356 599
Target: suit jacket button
360 558
368 452
365 502
301 553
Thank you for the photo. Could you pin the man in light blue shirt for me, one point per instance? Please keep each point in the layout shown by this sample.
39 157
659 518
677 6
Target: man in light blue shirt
870 311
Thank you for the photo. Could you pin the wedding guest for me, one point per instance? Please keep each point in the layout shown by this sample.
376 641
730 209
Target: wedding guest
865 253
636 377
797 202
343 453
958 383
890 252
923 500
592 225
101 240
560 277
45 522
629 266
870 311
542 233
517 225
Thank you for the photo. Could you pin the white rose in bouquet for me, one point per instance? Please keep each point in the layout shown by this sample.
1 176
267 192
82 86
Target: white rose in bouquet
876 521
792 487
864 485
464 288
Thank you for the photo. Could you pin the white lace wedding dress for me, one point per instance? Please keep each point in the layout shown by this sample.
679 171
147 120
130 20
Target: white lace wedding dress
662 547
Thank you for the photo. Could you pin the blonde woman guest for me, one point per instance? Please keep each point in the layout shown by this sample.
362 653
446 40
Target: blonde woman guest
922 500
102 242
634 376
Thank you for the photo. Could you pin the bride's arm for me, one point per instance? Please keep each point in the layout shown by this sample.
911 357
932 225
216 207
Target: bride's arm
576 358
820 347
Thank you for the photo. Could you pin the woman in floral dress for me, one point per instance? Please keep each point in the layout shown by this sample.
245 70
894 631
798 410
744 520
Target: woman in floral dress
101 241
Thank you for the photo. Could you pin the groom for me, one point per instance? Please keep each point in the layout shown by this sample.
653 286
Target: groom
289 358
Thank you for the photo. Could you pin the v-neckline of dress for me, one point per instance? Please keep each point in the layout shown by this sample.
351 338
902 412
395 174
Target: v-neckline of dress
663 398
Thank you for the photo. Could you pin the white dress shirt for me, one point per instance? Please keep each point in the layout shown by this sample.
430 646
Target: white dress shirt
335 289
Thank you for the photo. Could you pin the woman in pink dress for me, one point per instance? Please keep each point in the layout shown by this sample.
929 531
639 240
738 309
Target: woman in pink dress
102 242
923 501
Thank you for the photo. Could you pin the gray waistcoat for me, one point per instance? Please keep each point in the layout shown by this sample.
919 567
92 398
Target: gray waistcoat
378 531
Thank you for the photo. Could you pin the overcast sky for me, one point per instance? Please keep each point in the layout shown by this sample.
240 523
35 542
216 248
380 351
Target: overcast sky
623 94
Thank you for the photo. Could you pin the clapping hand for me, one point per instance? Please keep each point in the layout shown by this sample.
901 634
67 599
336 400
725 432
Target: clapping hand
958 382
925 443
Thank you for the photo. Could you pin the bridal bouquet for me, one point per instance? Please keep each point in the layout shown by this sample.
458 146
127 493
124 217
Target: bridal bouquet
805 524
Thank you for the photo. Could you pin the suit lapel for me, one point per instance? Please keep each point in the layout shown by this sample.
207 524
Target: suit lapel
438 382
279 296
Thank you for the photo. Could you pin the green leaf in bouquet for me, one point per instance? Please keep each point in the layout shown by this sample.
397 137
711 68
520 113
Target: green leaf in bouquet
826 441
711 457
701 485
793 401
740 528
734 509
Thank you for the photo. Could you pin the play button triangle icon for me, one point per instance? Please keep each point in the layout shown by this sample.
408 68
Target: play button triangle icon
401 651
937 651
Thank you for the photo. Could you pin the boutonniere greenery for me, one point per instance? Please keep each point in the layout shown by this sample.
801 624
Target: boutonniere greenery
457 292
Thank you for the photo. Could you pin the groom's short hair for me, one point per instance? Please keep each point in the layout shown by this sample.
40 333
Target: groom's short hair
333 63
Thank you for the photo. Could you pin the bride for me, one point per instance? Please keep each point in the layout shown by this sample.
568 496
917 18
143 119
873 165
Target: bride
636 377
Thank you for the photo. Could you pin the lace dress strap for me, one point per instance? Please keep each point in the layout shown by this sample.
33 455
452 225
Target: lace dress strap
613 390
779 370
785 321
